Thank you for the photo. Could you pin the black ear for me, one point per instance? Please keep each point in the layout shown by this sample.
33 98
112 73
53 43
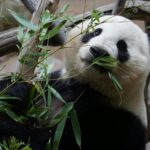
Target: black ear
59 38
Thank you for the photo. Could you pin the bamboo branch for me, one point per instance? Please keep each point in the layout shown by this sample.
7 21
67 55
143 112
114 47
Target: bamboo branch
26 70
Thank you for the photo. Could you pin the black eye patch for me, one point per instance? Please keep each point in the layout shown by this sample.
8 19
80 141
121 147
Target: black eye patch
91 35
123 54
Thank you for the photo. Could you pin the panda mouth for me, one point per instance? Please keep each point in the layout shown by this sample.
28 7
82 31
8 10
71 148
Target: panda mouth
100 69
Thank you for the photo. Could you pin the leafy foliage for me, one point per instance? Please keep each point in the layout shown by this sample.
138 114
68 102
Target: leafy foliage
13 144
106 62
39 106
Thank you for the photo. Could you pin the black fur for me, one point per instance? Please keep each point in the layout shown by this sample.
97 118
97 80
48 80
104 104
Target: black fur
88 36
36 137
103 126
123 54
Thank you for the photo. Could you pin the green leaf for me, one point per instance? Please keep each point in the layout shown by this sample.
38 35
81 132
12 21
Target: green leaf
12 115
4 104
76 126
64 9
49 98
43 33
106 62
58 133
31 94
115 82
47 18
23 21
31 58
65 110
26 148
3 147
20 35
57 95
48 145
96 15
55 30
8 98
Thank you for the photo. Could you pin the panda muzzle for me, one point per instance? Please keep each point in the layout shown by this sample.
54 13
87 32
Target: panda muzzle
98 52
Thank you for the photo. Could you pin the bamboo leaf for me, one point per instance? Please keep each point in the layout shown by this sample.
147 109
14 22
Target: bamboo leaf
76 126
48 145
49 98
47 18
64 9
58 133
55 30
20 35
106 62
9 98
57 95
12 115
23 21
115 82
65 110
43 34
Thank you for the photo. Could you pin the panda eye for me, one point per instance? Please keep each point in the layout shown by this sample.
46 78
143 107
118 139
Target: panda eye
97 32
122 45
123 54
88 36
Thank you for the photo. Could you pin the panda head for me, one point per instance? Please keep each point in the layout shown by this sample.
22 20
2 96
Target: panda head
114 36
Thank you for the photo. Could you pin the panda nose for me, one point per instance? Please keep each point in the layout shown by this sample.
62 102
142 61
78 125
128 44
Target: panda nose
97 52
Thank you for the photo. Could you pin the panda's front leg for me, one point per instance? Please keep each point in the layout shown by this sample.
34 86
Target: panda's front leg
9 127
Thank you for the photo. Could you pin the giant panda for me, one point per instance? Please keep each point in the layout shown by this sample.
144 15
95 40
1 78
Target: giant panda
106 121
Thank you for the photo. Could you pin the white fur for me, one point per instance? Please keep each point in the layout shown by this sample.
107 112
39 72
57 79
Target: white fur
131 74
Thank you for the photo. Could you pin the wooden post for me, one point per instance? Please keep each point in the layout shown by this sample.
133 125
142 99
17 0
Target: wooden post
30 4
118 7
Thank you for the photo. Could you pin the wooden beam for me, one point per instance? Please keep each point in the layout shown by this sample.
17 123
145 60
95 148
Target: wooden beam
30 4
79 18
118 7
8 41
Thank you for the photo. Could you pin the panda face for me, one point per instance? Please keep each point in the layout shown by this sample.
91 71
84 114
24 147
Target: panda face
114 36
